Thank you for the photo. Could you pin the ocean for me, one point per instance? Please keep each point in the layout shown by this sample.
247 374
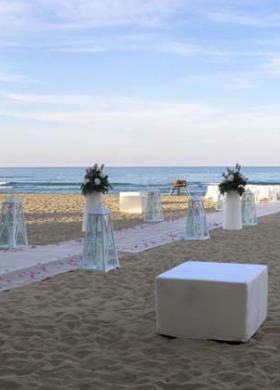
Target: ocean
68 179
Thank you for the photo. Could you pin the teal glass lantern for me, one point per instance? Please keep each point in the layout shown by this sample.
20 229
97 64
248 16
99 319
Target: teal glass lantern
153 211
196 223
99 249
12 224
248 209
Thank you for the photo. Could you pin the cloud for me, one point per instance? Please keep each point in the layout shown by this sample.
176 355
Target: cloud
231 81
80 14
39 99
13 14
142 43
272 68
188 49
133 130
244 19
107 113
247 13
77 14
51 15
135 116
116 42
127 25
8 77
66 26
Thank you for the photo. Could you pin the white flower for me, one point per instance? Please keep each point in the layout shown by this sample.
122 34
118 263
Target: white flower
97 181
102 175
86 181
230 178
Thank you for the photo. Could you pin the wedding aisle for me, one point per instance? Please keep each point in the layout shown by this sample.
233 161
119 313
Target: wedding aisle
34 263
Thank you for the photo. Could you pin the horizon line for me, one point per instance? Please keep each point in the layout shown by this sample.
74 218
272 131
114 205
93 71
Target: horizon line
140 166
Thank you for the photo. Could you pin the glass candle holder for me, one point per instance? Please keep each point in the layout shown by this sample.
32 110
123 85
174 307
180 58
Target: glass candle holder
196 223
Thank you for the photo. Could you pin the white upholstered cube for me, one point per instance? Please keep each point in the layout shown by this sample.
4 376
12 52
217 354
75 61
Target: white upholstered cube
209 300
132 202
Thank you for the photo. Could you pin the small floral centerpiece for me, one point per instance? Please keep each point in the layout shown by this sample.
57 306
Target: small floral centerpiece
233 181
95 180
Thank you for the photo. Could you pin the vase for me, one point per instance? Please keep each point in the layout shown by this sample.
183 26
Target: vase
92 200
232 216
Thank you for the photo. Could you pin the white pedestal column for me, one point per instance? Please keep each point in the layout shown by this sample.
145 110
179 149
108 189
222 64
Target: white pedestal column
232 217
92 200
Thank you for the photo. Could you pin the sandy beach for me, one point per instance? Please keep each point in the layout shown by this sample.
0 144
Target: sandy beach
52 218
122 99
85 330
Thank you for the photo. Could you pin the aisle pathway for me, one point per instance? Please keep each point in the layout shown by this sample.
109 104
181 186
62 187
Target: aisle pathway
34 263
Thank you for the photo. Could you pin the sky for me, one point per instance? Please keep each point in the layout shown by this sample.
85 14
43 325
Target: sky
138 82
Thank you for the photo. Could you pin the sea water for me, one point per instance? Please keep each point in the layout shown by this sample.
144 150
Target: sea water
68 179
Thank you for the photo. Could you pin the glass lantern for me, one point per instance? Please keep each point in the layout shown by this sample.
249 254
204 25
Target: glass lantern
220 202
272 194
196 223
153 211
12 224
248 208
99 249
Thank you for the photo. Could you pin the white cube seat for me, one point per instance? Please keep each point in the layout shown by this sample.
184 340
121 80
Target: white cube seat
210 300
132 202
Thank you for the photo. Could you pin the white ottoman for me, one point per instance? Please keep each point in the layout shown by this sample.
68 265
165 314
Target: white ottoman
132 202
207 300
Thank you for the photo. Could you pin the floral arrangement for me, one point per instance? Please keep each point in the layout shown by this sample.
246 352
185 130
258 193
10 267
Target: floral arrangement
95 180
233 181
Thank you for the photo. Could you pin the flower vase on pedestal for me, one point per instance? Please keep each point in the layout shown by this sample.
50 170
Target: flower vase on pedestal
232 216
92 201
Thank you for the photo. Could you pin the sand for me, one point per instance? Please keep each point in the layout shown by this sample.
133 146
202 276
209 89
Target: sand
52 218
84 330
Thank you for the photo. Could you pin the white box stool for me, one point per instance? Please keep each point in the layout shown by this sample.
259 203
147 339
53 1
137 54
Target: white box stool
207 300
132 202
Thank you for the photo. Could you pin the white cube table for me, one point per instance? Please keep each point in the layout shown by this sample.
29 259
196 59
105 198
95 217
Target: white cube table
208 300
132 202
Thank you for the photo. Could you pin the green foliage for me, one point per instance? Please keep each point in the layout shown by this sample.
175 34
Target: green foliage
95 180
233 181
